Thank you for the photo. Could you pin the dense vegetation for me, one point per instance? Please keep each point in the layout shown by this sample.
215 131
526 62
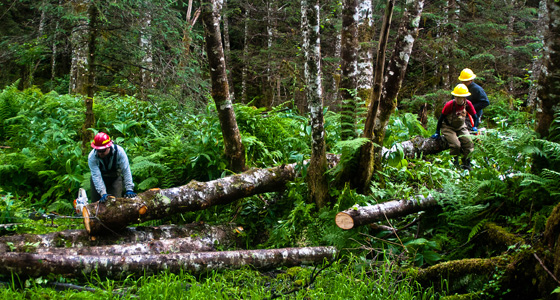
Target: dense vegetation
171 133
43 166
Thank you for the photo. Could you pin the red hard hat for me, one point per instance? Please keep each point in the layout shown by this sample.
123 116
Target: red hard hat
101 141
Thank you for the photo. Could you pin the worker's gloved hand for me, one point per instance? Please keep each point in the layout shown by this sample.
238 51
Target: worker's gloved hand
474 129
436 136
129 194
103 198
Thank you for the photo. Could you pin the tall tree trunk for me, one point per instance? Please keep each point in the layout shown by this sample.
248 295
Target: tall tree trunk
78 38
396 69
537 66
147 82
90 74
245 55
349 66
365 167
234 150
316 178
365 51
549 94
227 48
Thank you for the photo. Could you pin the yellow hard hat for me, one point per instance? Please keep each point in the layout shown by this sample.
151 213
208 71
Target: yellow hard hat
466 75
461 90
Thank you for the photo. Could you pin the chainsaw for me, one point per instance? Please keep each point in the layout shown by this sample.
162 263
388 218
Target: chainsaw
81 201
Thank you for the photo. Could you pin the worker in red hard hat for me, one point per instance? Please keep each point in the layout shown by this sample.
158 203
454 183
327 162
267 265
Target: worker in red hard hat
110 169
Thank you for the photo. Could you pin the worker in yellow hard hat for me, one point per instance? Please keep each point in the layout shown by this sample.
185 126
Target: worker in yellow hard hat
478 96
452 125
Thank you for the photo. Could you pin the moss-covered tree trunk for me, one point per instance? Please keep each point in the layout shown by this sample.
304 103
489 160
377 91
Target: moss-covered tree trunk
234 149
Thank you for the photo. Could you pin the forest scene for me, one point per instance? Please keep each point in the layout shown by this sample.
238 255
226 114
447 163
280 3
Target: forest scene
354 149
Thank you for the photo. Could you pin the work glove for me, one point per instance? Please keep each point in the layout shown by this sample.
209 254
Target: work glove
103 198
474 129
436 136
129 194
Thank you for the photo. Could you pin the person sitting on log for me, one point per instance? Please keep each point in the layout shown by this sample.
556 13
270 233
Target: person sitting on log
452 125
109 165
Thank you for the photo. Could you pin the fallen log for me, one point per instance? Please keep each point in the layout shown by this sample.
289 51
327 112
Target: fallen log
196 263
418 147
178 245
205 235
117 213
361 215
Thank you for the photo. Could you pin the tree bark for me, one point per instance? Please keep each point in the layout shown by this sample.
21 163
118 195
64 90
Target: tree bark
349 66
365 167
366 31
549 94
316 178
357 216
211 235
396 69
117 213
234 149
196 263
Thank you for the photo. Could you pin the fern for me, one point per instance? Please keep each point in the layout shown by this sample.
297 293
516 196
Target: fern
476 228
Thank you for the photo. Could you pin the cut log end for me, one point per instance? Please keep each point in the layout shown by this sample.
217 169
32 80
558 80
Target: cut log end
85 214
344 221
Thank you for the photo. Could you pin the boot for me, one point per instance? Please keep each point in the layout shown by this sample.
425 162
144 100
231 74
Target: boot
467 164
456 161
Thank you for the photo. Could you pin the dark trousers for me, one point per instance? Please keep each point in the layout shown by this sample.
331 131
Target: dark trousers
114 186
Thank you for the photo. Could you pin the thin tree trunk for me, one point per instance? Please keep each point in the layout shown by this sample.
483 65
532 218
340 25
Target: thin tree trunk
147 59
316 178
234 149
245 56
537 66
396 69
227 48
365 51
349 66
549 94
194 263
365 166
362 215
87 135
79 67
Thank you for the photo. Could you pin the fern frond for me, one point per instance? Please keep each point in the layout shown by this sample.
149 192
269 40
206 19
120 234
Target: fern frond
476 229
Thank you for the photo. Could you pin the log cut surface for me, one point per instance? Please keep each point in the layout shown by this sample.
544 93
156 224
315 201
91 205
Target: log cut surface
361 215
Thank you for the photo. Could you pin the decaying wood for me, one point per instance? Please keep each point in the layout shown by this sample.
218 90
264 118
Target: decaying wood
361 215
117 213
195 263
203 235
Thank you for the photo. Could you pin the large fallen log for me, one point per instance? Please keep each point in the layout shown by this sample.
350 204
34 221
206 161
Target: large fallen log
195 263
203 236
361 215
117 213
